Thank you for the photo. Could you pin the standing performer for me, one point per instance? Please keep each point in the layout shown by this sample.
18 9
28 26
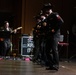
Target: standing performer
36 39
6 40
54 22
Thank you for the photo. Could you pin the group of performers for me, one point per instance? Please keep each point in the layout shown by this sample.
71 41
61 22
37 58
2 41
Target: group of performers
46 36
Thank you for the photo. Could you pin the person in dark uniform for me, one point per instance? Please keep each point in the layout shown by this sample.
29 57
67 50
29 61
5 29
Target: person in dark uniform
6 40
43 39
39 33
54 22
36 39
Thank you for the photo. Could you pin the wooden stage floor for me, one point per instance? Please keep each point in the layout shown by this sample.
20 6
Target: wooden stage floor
22 67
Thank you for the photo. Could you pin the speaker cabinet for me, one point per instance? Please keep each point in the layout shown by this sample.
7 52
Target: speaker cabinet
26 45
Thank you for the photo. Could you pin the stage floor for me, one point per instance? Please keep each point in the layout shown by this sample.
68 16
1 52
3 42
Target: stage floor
26 67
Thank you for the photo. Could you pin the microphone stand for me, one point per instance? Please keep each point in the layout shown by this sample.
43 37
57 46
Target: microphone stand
67 55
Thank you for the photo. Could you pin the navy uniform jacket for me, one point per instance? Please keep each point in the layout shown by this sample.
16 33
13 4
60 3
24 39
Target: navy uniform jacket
54 21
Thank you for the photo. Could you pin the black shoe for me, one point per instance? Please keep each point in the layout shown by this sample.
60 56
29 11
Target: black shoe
55 68
52 68
48 68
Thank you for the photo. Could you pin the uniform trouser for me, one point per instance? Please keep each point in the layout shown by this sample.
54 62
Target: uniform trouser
37 49
42 49
52 51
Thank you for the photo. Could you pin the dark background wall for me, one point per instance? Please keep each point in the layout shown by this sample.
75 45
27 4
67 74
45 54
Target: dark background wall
22 12
10 10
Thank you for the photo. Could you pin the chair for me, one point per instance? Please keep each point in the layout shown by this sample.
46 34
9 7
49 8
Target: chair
61 43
